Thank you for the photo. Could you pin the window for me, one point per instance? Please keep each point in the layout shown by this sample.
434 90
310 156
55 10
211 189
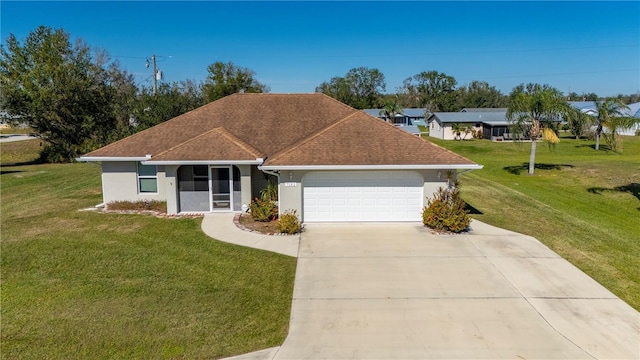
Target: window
147 178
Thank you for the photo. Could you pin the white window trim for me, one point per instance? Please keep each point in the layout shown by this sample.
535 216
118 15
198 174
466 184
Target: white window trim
138 177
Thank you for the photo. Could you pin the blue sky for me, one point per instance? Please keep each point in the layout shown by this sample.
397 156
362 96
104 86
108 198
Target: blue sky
294 46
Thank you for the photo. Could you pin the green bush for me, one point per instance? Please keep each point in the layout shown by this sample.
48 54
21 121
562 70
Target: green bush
288 222
140 205
263 210
270 192
446 211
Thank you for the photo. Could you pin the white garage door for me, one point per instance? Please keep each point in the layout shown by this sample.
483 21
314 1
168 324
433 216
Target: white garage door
362 196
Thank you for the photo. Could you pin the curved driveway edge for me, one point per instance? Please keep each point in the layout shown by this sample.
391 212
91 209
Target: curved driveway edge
220 226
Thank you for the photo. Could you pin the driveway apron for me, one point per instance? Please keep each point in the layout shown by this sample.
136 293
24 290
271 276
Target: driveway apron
396 291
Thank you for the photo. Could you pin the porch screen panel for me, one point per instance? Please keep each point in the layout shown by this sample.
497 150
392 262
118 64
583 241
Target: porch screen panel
193 187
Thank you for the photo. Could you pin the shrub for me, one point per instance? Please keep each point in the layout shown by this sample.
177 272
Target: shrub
140 205
270 192
288 223
478 134
263 210
446 211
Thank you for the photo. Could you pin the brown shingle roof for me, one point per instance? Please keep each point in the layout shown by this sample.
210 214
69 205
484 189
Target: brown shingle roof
288 129
215 145
361 139
269 122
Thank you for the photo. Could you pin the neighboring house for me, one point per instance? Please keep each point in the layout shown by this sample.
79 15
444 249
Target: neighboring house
590 108
408 120
493 124
331 162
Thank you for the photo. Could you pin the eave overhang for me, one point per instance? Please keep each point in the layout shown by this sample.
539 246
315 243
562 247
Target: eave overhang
204 162
109 158
373 167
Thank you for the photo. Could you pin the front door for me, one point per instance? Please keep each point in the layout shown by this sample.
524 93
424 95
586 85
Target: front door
221 186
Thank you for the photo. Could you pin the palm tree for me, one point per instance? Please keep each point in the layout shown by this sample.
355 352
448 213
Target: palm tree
390 110
614 124
607 110
532 109
457 129
578 122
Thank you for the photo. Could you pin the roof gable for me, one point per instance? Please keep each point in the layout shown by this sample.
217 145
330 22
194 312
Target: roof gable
361 139
214 145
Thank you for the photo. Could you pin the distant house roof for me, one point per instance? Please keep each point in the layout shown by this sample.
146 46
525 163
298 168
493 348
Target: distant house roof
494 117
415 112
483 109
634 109
283 130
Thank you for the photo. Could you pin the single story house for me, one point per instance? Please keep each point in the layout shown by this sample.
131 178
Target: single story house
331 162
591 108
493 124
408 120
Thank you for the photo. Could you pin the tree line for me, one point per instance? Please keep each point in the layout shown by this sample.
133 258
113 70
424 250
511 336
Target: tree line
77 100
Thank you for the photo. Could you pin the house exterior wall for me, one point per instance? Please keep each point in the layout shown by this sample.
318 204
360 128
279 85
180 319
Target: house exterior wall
436 130
291 187
120 182
171 188
245 184
445 132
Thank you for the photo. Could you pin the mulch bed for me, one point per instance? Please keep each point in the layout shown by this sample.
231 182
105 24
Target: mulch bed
246 222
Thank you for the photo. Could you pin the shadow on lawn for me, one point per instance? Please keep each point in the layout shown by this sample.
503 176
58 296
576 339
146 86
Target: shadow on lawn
471 210
517 169
632 188
24 163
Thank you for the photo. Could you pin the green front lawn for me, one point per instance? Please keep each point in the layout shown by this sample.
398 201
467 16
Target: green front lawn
82 284
583 204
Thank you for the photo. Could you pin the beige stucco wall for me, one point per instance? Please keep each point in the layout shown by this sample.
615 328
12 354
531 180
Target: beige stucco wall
120 182
448 131
171 188
245 183
290 191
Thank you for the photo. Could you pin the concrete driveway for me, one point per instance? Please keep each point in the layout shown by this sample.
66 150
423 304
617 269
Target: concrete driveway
394 291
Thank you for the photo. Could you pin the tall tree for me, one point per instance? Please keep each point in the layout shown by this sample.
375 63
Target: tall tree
573 96
479 94
59 90
226 78
339 89
432 90
169 101
360 88
533 109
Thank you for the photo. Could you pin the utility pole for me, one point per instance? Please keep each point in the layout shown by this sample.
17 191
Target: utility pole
155 72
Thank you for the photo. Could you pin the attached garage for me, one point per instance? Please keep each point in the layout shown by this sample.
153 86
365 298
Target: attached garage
337 196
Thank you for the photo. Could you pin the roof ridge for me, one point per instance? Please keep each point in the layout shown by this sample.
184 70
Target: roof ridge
312 136
241 143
